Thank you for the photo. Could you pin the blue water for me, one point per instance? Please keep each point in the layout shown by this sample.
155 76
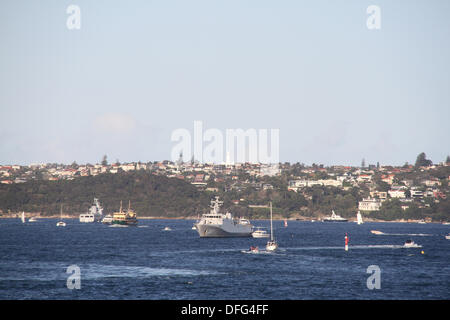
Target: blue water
147 263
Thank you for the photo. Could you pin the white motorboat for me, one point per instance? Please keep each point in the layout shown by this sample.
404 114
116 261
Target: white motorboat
107 219
334 218
260 232
447 237
167 229
410 244
376 232
271 245
32 219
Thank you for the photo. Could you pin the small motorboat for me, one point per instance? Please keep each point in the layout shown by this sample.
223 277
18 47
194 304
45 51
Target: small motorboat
260 232
167 229
254 249
447 237
410 244
32 219
107 219
376 232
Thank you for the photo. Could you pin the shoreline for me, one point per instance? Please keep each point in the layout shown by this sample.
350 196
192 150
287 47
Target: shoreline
301 219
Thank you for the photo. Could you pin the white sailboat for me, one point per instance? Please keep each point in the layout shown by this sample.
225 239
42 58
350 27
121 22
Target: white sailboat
61 223
359 219
23 217
271 244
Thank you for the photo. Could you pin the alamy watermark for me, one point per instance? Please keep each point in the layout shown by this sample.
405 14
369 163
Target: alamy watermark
73 21
74 280
229 147
373 21
374 280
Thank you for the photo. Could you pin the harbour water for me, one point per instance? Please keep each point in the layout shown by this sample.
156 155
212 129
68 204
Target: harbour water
146 262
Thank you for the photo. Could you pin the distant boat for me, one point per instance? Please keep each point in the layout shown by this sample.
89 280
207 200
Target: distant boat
421 222
334 218
94 214
32 219
285 223
128 218
376 232
23 217
260 232
271 244
251 250
61 223
216 224
447 237
410 244
107 219
359 219
167 229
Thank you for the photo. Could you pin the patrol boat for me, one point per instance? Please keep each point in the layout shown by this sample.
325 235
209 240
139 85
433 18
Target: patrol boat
222 225
94 214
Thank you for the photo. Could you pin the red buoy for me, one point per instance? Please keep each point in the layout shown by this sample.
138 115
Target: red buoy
346 242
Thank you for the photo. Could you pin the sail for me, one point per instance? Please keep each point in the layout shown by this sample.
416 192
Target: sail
359 218
23 217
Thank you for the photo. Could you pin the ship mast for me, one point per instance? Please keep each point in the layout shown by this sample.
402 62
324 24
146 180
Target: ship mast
271 228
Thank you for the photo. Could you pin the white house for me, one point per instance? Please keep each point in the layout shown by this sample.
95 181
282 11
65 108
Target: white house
397 193
369 205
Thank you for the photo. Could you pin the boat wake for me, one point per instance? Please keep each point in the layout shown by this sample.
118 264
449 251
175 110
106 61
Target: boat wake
404 234
112 271
369 246
263 252
118 226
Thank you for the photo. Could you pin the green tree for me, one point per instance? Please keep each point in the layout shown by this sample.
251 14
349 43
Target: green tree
105 160
422 161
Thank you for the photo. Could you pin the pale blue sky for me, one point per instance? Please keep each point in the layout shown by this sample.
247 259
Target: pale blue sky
137 70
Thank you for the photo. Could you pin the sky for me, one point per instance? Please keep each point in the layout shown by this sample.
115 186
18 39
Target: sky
136 71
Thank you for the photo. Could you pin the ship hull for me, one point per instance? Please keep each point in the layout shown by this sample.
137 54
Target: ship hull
328 220
208 231
125 223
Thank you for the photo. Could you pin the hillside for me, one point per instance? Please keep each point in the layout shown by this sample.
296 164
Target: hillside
150 195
